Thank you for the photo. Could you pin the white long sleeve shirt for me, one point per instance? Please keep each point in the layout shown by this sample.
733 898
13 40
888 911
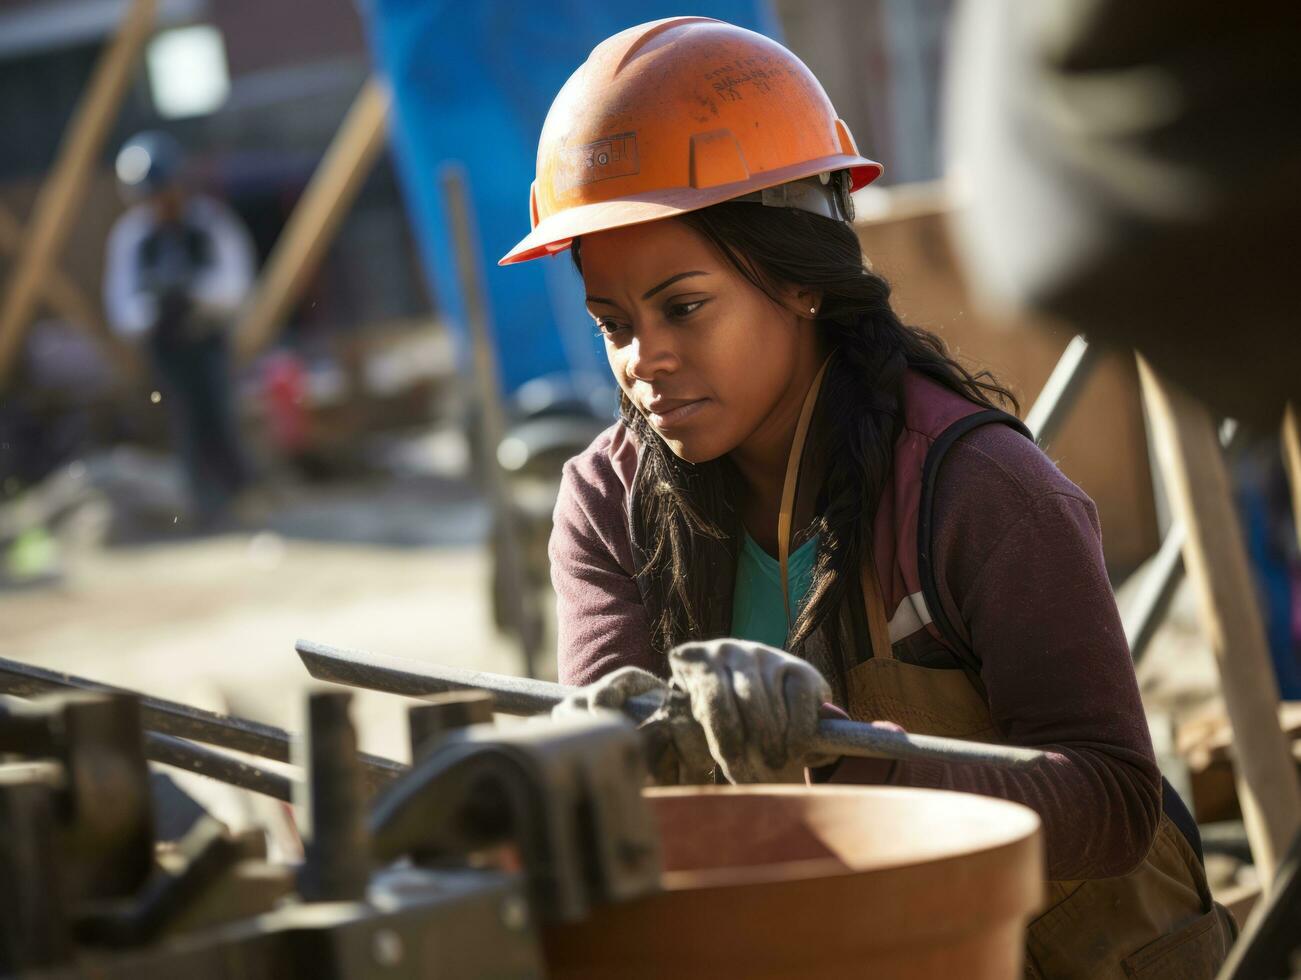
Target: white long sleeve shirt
218 287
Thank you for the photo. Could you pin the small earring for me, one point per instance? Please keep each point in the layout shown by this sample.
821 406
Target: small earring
813 309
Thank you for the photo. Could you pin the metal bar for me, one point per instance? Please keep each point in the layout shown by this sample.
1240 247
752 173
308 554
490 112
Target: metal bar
177 752
332 812
169 718
1152 597
520 695
183 720
855 738
396 675
1058 394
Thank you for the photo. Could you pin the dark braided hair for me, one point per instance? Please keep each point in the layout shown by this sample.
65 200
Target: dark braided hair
691 505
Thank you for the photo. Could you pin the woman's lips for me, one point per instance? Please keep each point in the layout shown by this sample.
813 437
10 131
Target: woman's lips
670 418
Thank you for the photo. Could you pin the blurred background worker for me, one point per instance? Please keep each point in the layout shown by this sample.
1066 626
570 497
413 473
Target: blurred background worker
178 267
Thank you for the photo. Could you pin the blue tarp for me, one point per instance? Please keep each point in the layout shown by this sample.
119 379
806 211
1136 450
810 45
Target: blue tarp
472 82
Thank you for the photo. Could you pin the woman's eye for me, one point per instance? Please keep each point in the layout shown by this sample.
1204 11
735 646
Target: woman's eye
679 310
609 328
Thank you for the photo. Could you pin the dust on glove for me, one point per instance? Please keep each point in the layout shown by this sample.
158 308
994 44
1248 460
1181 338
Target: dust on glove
758 707
677 753
610 692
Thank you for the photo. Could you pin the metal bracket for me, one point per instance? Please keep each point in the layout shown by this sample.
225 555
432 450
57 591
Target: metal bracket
566 794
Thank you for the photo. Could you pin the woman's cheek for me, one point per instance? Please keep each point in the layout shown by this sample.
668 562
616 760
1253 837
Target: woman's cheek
617 359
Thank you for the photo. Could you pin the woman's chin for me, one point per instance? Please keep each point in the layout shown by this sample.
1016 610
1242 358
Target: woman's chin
694 451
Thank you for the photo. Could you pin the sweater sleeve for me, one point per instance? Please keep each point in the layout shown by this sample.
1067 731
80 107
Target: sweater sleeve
600 619
1019 570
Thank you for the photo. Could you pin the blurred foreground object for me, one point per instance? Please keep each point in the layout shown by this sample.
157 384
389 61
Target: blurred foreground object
515 852
1133 169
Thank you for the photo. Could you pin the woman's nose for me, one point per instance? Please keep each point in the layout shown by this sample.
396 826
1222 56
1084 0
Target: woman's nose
651 354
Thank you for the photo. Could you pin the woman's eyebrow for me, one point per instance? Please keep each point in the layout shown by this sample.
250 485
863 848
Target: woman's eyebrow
653 290
669 282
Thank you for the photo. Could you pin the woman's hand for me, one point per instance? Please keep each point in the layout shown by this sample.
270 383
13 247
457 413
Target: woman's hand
758 707
611 692
677 752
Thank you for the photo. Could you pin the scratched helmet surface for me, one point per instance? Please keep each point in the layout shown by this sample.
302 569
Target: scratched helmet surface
673 116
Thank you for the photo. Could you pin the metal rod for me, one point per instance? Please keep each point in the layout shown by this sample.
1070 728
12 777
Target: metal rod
169 718
519 695
837 737
1152 596
397 675
185 721
1058 394
177 752
332 808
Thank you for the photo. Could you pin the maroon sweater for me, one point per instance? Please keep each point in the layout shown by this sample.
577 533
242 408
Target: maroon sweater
1019 568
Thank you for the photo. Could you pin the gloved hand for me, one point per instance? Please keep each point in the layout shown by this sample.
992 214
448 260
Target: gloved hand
758 707
676 749
611 692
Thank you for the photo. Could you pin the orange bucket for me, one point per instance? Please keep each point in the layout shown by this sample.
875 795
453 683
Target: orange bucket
775 881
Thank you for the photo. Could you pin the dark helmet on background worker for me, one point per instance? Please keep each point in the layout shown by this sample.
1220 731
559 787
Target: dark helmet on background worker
680 114
147 163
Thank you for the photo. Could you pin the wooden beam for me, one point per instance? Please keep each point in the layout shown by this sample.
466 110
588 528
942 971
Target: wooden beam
65 298
316 218
1292 462
1196 478
58 204
509 548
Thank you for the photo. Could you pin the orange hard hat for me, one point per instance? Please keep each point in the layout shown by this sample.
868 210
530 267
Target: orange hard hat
676 115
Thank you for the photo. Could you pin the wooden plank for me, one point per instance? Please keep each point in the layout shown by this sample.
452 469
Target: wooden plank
316 218
61 195
66 299
1291 439
492 417
1196 478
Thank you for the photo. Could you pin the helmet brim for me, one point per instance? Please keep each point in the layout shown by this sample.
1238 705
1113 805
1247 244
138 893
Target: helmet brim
557 232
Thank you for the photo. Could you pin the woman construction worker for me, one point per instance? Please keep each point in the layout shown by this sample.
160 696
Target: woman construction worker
808 507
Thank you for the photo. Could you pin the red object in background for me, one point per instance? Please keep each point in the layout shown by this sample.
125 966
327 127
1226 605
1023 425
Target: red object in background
284 394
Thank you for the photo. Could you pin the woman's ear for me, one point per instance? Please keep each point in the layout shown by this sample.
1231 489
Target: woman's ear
802 301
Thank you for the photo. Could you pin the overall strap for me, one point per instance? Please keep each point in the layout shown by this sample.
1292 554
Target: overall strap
878 627
964 655
786 512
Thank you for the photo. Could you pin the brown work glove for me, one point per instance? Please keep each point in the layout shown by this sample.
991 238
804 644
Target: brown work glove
758 707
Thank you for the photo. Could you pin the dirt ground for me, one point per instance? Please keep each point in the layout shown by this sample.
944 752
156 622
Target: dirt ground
399 570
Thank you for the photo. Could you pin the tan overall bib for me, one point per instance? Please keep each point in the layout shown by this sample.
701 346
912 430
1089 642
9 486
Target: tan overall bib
1158 921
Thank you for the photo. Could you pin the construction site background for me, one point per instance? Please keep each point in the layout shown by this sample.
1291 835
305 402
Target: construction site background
369 525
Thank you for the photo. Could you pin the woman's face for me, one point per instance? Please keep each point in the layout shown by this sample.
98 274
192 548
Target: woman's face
710 360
